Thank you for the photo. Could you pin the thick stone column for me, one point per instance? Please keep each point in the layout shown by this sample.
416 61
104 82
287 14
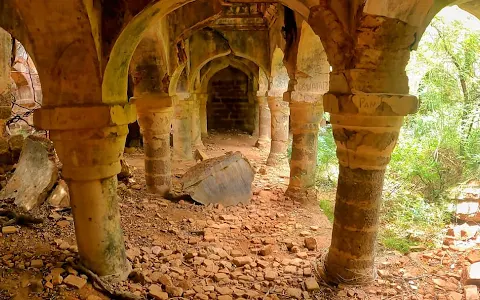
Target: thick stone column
279 131
6 96
203 97
304 119
182 127
365 127
196 122
265 126
155 118
89 141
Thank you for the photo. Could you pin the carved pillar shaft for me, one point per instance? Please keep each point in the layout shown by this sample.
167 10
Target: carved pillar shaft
182 130
155 118
89 141
366 129
279 131
265 126
305 119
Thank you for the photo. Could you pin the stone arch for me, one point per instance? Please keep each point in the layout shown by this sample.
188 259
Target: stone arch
231 99
279 75
63 54
220 64
312 69
115 76
24 94
149 67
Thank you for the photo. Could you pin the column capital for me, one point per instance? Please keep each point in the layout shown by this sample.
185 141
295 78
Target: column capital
84 117
89 140
152 102
370 104
366 126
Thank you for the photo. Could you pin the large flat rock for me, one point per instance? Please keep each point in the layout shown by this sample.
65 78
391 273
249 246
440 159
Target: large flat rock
225 179
35 175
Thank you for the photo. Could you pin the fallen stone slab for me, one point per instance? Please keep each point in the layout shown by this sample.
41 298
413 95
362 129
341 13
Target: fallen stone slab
225 179
35 175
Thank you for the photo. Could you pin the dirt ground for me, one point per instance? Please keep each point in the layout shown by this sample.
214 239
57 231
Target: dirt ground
190 251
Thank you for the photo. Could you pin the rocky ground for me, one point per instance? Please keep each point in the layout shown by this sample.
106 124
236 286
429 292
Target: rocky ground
265 250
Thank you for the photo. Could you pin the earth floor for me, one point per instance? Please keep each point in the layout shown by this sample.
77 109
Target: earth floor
193 247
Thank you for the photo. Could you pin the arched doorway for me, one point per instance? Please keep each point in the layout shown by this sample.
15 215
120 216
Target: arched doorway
230 102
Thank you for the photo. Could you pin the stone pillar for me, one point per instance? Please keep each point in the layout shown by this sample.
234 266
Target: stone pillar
155 118
182 135
256 117
6 96
365 127
203 97
196 122
265 128
305 119
279 131
89 141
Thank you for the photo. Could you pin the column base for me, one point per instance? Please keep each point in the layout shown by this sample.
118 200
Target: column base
303 195
277 159
262 143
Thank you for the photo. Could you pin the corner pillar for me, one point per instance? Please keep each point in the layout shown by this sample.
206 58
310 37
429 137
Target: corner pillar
203 97
365 128
265 126
155 118
182 127
305 118
6 96
196 122
280 113
89 141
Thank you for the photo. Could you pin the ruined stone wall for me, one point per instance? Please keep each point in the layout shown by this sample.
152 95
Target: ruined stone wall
230 104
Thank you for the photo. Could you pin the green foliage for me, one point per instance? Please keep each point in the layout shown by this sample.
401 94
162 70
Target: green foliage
327 208
327 162
391 241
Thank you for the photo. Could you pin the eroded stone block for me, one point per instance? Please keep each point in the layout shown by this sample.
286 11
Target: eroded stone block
35 175
226 179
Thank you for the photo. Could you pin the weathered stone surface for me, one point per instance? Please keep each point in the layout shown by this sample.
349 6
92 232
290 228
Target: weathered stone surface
60 197
226 179
35 175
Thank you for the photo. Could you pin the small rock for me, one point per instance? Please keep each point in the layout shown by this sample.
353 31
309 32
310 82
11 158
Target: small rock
267 250
75 281
242 260
9 229
155 291
310 243
471 292
63 223
270 275
474 256
36 263
60 196
454 296
311 284
294 292
174 291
